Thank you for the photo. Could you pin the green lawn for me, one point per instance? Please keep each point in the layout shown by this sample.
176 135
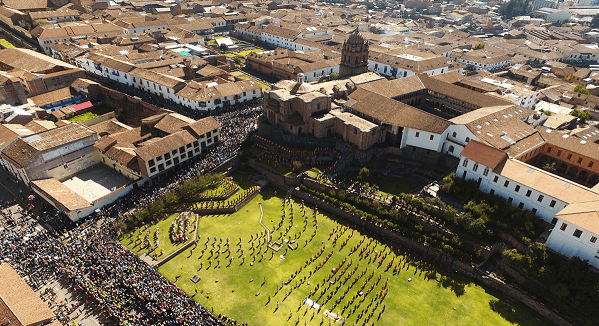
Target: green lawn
221 189
243 53
90 115
6 43
165 241
238 289
264 86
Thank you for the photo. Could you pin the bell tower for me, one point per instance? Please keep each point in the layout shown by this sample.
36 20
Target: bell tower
354 55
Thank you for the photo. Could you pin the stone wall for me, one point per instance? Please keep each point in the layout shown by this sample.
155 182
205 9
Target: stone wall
512 242
276 178
134 107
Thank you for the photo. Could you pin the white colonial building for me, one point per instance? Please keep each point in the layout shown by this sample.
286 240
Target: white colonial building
576 232
521 184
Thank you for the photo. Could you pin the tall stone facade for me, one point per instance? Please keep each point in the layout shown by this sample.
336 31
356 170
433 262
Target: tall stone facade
354 55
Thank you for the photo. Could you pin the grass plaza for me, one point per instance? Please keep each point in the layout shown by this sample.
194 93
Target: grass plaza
351 276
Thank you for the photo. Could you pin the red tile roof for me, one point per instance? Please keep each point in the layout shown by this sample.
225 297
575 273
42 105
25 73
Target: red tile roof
484 154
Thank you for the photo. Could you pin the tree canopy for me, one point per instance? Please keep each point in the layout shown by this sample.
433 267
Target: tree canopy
582 89
514 8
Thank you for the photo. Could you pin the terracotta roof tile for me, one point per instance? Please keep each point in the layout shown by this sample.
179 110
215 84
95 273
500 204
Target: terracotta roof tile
484 154
395 113
20 298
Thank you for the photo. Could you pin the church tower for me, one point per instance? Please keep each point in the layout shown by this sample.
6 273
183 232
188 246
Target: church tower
354 56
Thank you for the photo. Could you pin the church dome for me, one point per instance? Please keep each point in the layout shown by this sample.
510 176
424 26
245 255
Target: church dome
301 87
356 37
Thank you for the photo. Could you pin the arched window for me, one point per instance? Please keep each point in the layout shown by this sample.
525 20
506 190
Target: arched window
454 134
467 139
356 60
450 148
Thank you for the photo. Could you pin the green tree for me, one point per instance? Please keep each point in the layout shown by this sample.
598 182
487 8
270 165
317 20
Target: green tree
238 61
514 8
364 173
479 45
582 89
334 75
223 47
584 116
560 290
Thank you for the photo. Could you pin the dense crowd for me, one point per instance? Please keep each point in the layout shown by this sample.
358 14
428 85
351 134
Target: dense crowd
90 255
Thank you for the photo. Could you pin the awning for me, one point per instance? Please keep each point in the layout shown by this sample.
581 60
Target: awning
81 106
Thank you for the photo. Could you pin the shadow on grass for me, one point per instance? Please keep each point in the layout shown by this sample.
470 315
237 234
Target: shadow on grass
456 286
270 192
512 313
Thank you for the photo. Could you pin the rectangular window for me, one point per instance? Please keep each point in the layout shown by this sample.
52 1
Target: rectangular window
552 204
548 149
159 158
577 233
534 211
465 163
492 192
528 193
174 152
506 183
591 164
554 220
579 160
475 167
196 144
563 227
495 179
417 134
569 156
486 172
509 200
517 188
432 137
168 162
160 167
167 156
521 206
181 150
593 239
188 146
152 170
559 153
540 199
151 162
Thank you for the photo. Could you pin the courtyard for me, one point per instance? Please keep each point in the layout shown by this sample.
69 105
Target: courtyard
317 258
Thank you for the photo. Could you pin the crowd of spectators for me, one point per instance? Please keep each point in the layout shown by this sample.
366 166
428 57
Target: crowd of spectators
89 254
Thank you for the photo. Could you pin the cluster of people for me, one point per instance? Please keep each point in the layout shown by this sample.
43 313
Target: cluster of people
90 255
207 205
126 288
226 189
179 231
